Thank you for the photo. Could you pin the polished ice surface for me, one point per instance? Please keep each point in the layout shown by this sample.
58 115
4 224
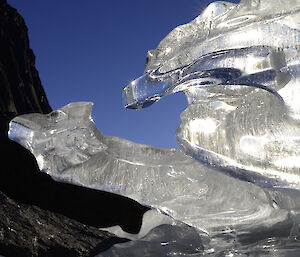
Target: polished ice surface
69 147
238 65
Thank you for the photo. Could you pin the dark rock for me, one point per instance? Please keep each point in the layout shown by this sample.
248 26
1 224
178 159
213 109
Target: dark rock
21 90
27 230
39 216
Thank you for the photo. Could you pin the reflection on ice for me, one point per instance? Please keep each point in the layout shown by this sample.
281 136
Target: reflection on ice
239 68
69 147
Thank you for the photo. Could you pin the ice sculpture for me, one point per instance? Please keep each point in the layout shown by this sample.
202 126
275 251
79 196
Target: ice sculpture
69 147
238 65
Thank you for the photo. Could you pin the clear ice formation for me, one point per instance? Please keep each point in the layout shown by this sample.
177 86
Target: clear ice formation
69 147
238 65
200 210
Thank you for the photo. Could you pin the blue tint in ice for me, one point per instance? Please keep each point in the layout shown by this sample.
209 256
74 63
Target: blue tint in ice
192 200
239 68
69 147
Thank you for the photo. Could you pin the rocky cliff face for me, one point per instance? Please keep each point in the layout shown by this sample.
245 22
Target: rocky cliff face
27 230
21 90
38 216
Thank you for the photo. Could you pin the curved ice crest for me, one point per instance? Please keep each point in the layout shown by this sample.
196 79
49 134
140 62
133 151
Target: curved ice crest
239 68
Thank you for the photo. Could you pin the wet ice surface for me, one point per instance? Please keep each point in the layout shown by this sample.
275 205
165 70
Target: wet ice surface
69 147
238 66
197 209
